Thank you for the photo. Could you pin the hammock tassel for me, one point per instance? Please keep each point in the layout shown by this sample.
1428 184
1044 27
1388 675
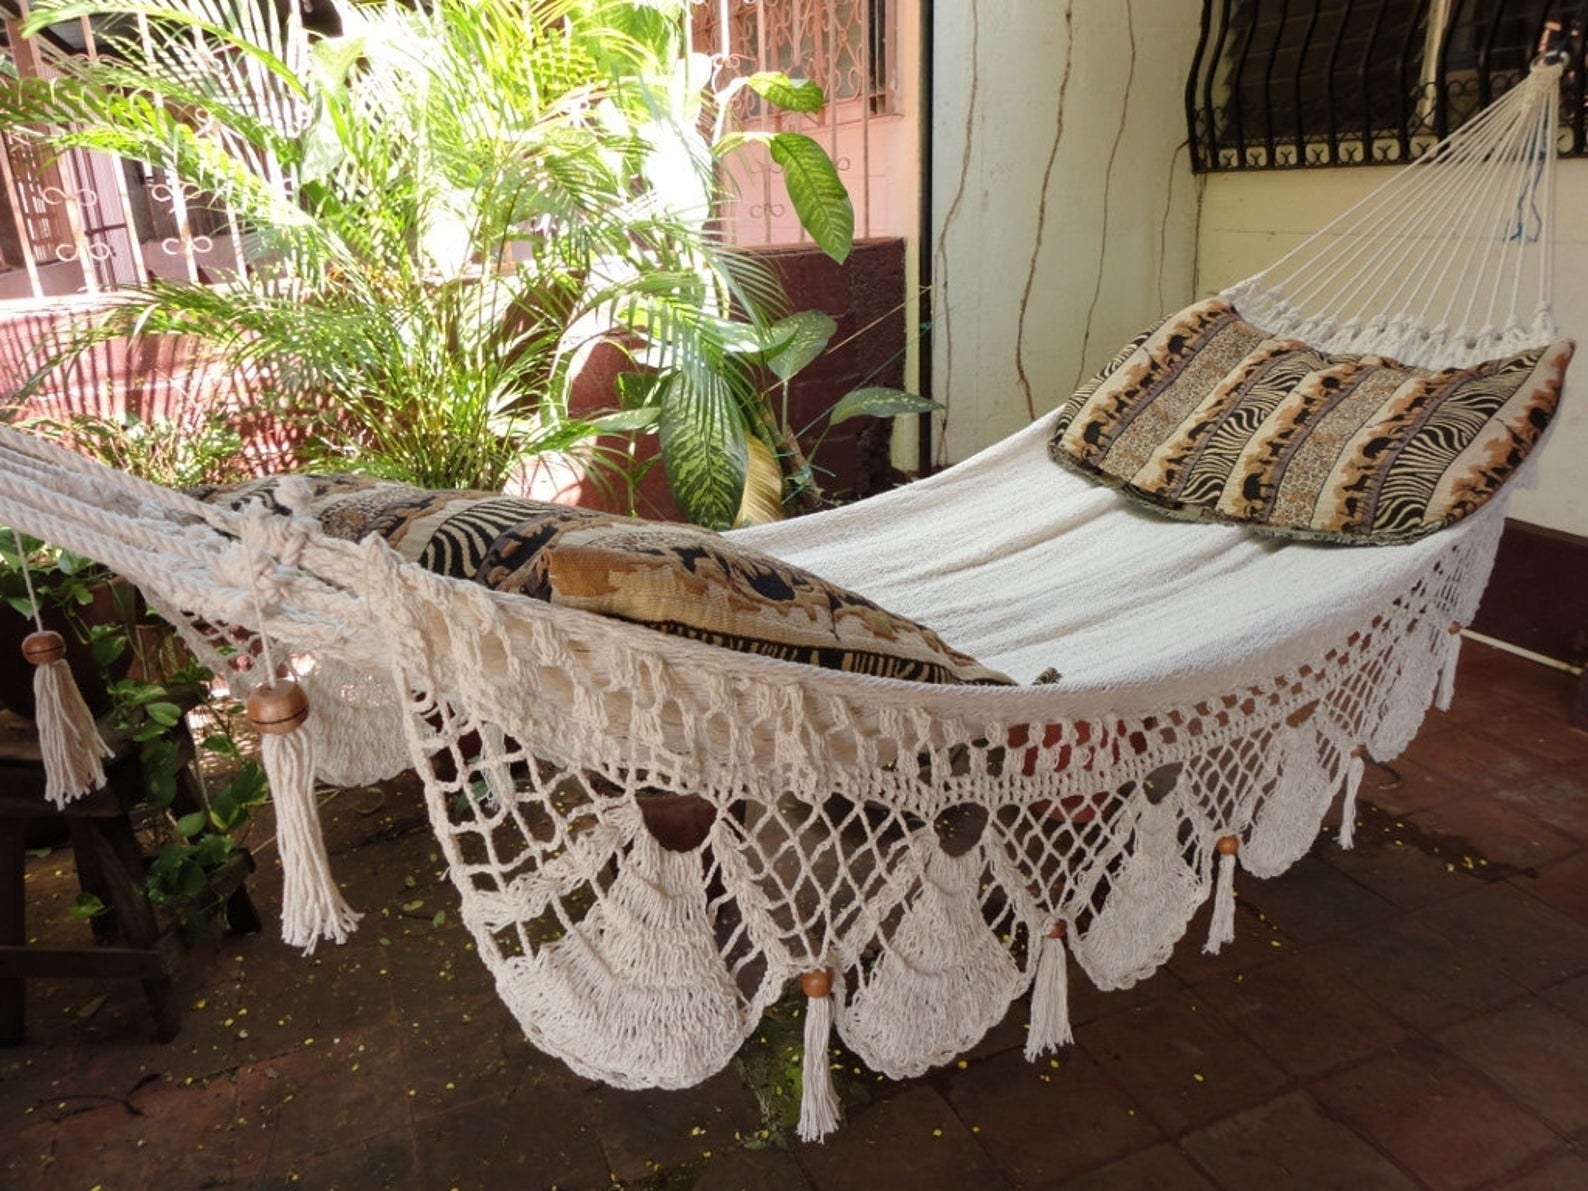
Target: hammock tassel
1222 929
1447 676
1354 769
74 752
1050 998
311 905
818 1103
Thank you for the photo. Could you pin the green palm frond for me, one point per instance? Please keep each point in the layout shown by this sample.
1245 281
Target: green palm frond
440 206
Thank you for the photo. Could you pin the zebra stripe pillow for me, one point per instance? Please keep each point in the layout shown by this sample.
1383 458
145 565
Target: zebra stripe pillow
1209 417
676 579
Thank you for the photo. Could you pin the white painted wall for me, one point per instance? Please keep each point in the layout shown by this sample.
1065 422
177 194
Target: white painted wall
1250 219
1064 207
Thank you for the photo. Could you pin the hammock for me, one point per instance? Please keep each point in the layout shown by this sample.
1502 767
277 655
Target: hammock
917 855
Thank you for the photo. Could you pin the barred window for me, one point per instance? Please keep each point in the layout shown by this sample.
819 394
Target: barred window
1281 84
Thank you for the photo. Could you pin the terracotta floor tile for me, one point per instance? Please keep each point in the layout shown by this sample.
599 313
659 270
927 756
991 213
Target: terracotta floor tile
1415 974
1564 1172
27 1153
1532 943
1162 1166
173 1135
1483 827
1493 678
1562 885
1558 797
1010 1032
1257 941
1088 1002
1181 1062
529 1137
1014 1106
1289 1143
1405 785
1387 859
290 996
1536 1053
1302 1017
455 1057
912 1139
644 1131
1440 1120
329 1093
1570 997
1539 735
1475 760
386 1161
1313 900
752 1170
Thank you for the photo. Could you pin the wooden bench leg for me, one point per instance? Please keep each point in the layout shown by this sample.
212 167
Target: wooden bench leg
110 848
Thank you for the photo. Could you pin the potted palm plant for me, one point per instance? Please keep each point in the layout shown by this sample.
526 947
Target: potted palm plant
439 211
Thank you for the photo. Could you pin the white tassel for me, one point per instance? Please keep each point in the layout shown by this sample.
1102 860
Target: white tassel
1050 998
1222 929
1354 769
1447 676
312 907
74 752
818 1103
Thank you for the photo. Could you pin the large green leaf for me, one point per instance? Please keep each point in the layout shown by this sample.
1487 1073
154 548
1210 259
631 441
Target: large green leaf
703 449
807 335
817 192
878 401
627 421
801 95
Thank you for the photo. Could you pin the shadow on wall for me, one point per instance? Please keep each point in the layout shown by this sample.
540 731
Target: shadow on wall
156 378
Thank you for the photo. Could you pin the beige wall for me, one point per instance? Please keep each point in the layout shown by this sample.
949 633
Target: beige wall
1249 219
1066 218
1063 202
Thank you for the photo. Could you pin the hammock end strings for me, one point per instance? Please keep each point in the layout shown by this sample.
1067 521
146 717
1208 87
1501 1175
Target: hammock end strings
73 750
312 907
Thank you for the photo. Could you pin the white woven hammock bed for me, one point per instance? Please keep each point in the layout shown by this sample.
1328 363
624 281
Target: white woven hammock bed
931 852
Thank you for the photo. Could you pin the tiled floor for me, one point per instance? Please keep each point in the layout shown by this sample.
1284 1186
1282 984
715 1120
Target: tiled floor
1413 1013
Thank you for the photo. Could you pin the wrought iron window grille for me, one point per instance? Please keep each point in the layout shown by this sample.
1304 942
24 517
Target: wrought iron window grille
1289 84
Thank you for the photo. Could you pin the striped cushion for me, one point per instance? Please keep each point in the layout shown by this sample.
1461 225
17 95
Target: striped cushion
692 583
1210 417
676 579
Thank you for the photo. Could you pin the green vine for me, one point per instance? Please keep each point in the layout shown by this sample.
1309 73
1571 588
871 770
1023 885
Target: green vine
152 684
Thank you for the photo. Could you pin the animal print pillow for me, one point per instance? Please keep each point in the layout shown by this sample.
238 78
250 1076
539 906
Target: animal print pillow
676 579
1210 417
694 583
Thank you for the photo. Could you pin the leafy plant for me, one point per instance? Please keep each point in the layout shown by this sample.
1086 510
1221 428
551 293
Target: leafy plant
149 694
176 453
59 578
443 209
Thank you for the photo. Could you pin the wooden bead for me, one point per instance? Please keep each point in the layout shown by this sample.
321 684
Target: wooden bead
43 647
817 983
1229 845
1058 930
277 708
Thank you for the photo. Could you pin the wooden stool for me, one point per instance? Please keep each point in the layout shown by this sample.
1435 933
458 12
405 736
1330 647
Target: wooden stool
130 941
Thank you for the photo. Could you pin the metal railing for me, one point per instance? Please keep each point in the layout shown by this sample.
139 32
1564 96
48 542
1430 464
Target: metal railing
850 48
1286 84
87 223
